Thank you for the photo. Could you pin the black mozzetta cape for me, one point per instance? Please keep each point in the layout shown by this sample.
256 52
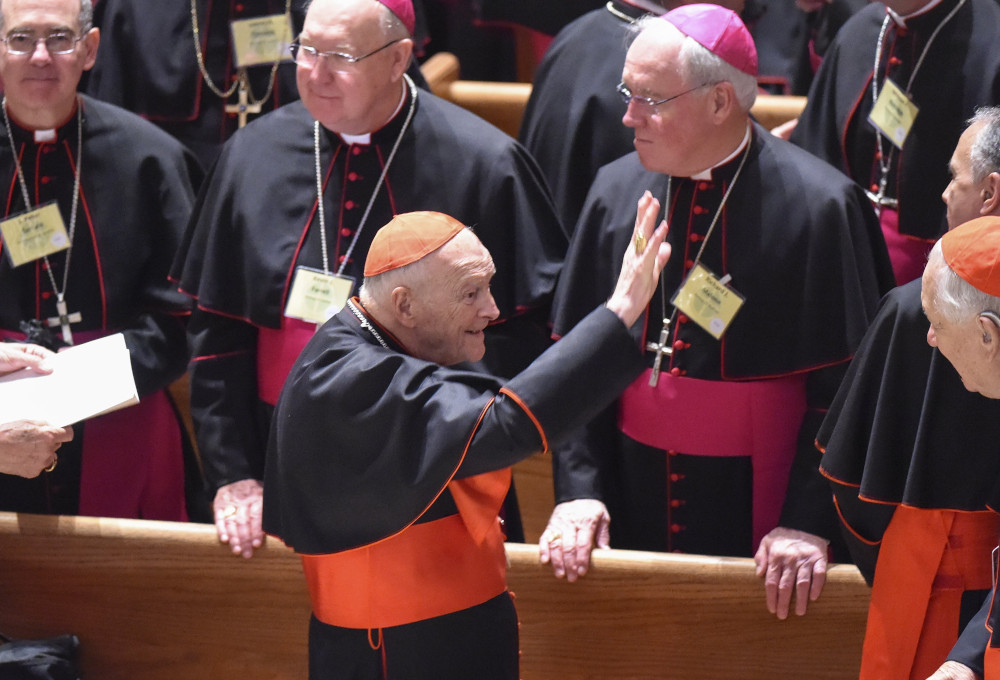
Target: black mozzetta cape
904 430
960 72
256 220
572 124
803 248
366 438
147 64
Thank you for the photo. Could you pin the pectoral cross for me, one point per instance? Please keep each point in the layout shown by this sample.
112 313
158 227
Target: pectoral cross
64 320
880 200
661 348
243 107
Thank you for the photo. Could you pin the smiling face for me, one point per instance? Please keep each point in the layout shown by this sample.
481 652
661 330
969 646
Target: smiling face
41 87
452 305
360 98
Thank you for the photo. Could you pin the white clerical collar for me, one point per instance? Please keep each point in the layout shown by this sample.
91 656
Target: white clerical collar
366 138
44 136
901 19
707 174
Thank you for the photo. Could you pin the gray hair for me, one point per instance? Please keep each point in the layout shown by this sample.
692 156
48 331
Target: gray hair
699 65
956 299
85 18
984 154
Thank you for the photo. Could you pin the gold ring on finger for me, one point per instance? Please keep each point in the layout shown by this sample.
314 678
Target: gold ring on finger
640 243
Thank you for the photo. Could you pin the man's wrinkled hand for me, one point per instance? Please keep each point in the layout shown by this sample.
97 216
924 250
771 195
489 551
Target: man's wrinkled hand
791 562
573 530
238 509
952 670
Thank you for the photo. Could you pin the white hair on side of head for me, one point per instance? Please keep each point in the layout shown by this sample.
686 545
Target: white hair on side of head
699 65
85 18
984 155
956 299
702 66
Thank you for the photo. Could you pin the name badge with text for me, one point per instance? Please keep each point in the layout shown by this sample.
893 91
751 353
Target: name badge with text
316 296
893 114
33 234
262 40
707 301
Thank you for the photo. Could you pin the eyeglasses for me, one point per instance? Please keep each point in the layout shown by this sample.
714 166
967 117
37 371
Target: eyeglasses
628 97
57 42
304 55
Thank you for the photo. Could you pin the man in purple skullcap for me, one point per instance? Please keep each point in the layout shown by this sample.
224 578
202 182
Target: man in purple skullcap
277 242
748 337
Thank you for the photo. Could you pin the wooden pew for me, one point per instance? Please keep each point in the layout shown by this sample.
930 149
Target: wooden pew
161 601
503 103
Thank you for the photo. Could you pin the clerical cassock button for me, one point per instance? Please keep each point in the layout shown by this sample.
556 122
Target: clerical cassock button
895 61
352 176
703 186
694 238
676 528
699 210
676 503
355 149
680 344
671 452
688 264
676 476
681 318
677 372
345 232
350 205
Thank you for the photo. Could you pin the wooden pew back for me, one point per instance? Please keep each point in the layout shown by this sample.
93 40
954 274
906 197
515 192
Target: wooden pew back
161 601
503 103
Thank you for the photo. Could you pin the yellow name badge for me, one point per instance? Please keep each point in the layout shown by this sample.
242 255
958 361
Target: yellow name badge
707 301
893 114
262 40
34 234
316 295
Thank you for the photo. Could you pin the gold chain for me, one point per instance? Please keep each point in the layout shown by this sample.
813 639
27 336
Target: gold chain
242 72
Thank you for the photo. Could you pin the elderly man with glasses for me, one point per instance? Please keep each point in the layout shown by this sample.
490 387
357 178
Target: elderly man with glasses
96 201
777 270
280 234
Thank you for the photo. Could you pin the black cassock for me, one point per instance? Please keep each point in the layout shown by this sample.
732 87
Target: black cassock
572 124
370 444
256 221
147 64
801 244
960 72
136 194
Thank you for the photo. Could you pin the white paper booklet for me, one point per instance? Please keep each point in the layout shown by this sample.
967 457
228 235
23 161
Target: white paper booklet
86 381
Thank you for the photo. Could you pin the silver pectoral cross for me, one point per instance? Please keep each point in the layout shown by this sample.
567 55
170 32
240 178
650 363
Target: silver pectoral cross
661 348
243 107
880 200
64 320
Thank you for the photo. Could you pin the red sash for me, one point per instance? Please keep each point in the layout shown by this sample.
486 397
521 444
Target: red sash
759 418
907 254
426 570
928 559
132 459
277 350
